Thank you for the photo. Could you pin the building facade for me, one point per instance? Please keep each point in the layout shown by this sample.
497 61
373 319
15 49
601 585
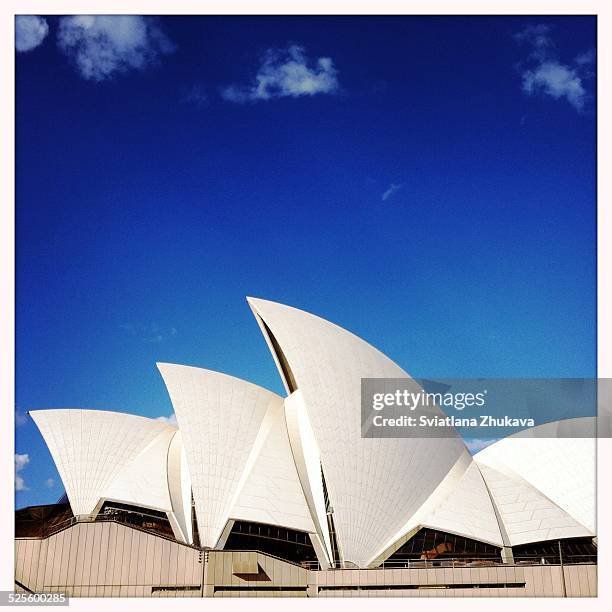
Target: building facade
257 494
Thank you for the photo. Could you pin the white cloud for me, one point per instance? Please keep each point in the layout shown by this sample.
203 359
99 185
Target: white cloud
21 418
20 462
556 80
103 45
171 420
585 59
286 73
49 483
30 31
545 74
393 188
538 38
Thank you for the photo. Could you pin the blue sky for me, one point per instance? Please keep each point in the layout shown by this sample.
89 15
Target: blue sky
426 182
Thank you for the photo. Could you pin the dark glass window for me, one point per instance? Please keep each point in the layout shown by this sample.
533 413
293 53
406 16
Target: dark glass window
144 518
438 546
40 521
573 550
194 525
329 510
284 543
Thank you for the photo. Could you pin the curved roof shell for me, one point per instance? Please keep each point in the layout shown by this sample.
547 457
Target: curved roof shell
558 472
375 485
248 454
103 455
91 448
238 451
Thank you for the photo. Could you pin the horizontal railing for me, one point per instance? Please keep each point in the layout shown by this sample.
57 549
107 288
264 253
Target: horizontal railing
450 562
471 562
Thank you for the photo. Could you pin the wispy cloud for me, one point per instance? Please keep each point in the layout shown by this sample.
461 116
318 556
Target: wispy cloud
286 73
21 418
30 31
49 483
196 95
100 46
171 420
20 483
391 190
587 58
543 73
20 463
537 38
153 334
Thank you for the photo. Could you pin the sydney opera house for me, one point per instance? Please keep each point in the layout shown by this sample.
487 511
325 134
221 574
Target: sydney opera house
254 494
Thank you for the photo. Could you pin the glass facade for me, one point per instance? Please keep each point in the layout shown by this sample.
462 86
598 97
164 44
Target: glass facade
437 547
570 551
287 544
